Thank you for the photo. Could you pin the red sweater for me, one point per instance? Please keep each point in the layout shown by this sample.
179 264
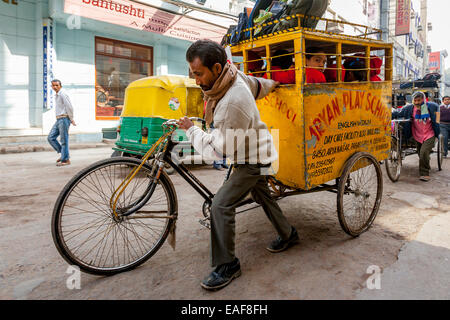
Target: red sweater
285 77
314 76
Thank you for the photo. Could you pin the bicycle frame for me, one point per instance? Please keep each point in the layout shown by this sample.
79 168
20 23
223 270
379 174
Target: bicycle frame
165 147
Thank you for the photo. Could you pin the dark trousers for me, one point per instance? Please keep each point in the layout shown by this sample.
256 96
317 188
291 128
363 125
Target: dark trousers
424 150
245 179
445 131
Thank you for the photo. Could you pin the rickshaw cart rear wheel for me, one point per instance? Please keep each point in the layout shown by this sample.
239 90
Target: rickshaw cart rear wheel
394 162
440 151
359 193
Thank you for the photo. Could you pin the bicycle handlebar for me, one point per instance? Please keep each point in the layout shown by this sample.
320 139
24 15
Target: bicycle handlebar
174 122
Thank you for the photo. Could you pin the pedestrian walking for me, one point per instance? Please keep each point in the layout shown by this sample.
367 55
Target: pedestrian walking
445 122
64 117
230 97
423 128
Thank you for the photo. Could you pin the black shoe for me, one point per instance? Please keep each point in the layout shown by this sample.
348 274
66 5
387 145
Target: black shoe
222 275
279 244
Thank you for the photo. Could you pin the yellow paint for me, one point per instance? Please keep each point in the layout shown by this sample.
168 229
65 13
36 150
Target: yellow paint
168 97
341 120
335 122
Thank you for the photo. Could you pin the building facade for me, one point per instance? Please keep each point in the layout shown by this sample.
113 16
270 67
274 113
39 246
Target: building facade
410 44
96 48
436 63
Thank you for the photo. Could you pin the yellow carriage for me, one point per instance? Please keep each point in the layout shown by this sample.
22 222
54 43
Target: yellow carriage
337 130
320 126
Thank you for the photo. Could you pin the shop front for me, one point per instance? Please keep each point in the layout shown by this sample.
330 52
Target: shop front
96 48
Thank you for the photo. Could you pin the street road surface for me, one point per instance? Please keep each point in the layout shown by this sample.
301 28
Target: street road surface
326 264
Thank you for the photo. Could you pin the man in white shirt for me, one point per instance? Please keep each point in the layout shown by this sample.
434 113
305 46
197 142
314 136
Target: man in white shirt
230 104
64 117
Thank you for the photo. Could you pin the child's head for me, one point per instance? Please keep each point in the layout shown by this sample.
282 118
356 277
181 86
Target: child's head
355 69
315 57
285 61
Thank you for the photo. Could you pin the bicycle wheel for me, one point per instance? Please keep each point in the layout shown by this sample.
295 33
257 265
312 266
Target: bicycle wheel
359 193
440 151
85 230
394 162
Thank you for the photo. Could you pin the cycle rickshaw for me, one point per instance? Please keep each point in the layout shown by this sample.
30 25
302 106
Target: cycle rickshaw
400 147
115 214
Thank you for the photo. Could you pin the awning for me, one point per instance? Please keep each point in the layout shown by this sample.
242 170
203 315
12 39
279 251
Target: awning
145 18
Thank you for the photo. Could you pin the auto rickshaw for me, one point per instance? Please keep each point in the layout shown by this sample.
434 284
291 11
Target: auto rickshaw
330 137
148 103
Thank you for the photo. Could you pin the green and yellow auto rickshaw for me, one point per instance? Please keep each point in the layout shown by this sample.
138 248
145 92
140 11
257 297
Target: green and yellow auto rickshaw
148 103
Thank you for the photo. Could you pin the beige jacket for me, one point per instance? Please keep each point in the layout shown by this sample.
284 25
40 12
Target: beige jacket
238 134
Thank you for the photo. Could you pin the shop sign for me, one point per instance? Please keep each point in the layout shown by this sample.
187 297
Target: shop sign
47 62
14 2
434 62
145 18
403 17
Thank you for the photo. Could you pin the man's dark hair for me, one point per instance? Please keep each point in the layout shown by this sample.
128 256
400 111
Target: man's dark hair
445 97
209 53
56 80
283 62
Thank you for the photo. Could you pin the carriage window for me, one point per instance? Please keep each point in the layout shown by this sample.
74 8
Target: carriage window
360 64
355 63
319 62
256 62
282 63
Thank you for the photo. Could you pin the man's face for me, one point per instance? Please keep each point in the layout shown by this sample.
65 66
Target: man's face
56 86
204 77
447 101
418 101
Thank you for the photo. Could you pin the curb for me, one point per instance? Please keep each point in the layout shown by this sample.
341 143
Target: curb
39 148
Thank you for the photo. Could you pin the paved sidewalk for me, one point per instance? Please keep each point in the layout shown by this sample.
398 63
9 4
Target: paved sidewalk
422 271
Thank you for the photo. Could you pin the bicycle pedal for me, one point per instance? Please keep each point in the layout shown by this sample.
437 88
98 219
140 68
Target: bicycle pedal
205 223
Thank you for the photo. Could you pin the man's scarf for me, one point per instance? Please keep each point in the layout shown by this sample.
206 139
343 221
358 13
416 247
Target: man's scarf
422 114
220 87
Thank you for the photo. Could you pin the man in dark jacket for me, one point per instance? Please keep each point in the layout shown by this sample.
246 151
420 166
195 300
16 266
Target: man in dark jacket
422 127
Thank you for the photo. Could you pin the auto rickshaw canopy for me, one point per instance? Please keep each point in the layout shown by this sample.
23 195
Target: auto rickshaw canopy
168 97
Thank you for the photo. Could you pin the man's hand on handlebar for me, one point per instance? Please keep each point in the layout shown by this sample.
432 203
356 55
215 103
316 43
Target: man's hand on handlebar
185 123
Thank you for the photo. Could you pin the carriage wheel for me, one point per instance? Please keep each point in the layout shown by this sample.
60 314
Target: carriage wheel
394 162
359 193
440 151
